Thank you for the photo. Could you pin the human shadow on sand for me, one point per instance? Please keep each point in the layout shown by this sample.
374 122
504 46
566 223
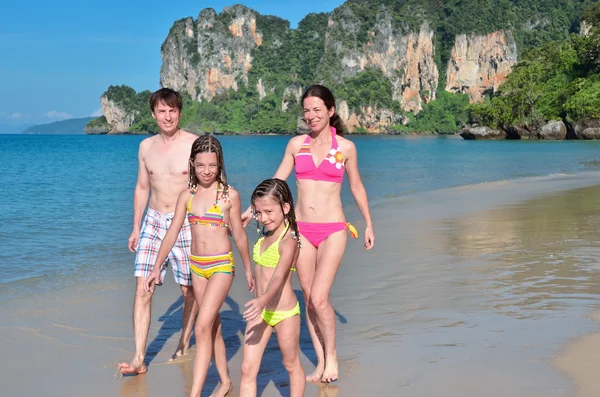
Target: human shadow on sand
171 325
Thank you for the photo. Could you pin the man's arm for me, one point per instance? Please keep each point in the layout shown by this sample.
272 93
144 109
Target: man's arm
140 197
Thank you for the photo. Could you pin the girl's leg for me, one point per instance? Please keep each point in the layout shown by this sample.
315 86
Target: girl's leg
255 341
329 258
288 336
305 266
210 295
220 357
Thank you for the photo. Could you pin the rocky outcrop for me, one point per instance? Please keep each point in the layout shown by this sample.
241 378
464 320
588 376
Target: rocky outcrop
97 126
482 133
374 120
117 116
554 130
479 64
407 60
212 54
291 96
587 129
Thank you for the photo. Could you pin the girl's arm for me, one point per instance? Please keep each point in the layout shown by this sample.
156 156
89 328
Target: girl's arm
288 249
239 235
170 239
358 192
283 171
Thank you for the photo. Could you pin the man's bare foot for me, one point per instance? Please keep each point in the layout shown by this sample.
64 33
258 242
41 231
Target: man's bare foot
180 352
331 370
134 368
316 375
223 390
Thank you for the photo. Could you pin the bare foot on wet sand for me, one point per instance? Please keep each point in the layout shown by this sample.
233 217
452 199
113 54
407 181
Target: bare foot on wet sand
331 370
316 375
223 390
135 368
180 352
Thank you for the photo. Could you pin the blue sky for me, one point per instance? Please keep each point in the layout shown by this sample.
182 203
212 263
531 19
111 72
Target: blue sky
59 57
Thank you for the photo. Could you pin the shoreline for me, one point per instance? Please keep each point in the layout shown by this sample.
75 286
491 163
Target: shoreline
417 324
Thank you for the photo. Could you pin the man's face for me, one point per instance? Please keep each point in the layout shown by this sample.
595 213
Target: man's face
166 117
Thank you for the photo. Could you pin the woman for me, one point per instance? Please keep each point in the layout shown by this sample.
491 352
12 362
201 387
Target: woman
320 159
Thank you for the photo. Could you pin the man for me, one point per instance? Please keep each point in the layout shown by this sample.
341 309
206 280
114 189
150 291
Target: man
162 170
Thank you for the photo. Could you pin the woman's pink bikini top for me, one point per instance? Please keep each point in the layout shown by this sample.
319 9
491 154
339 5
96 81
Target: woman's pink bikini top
331 168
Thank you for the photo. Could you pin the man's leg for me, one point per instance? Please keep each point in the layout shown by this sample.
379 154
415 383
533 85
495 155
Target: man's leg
142 305
179 257
190 312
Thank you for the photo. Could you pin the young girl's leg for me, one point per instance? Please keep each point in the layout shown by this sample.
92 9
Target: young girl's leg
210 295
329 258
220 357
306 265
288 336
255 341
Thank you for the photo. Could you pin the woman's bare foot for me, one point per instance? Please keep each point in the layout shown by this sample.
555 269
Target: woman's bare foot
180 352
331 369
316 375
135 368
223 390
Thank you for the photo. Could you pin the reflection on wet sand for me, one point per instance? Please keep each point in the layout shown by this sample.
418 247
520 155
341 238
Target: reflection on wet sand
539 255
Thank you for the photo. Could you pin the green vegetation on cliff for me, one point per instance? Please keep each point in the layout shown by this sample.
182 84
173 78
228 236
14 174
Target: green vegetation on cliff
559 80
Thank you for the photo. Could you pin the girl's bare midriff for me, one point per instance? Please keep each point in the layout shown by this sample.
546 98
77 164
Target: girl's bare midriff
284 299
209 240
319 201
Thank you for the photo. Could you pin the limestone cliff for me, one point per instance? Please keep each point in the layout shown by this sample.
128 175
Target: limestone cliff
117 116
478 64
212 54
406 59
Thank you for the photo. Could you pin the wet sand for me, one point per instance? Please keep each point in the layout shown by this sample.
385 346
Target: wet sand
484 290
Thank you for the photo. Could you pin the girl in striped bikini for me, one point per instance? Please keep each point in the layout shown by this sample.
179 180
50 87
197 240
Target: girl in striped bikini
211 255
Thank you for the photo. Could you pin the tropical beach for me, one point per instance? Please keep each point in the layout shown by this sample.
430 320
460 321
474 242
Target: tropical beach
484 278
483 288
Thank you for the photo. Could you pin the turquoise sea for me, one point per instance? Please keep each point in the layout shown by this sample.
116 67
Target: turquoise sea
66 201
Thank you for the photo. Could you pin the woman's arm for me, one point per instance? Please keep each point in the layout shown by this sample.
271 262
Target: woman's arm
170 238
239 235
359 192
283 172
288 249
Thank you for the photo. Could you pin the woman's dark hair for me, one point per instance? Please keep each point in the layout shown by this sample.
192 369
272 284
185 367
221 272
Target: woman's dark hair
208 144
322 92
280 192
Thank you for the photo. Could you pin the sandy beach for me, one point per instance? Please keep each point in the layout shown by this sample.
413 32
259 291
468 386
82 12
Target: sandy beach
482 290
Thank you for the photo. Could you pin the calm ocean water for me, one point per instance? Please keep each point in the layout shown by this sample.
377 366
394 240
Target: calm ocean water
66 201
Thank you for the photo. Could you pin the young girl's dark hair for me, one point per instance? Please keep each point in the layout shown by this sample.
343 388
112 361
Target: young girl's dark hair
208 144
322 92
280 191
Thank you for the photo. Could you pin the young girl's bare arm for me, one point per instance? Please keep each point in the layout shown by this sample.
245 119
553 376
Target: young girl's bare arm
287 257
239 235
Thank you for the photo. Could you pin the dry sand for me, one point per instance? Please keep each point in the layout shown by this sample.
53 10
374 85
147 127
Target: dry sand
471 291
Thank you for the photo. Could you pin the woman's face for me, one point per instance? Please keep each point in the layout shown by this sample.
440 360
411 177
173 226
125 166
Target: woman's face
316 114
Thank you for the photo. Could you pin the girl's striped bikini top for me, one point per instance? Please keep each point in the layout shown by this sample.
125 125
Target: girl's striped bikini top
212 217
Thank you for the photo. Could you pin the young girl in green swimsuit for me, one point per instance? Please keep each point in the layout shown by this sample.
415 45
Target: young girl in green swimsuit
275 305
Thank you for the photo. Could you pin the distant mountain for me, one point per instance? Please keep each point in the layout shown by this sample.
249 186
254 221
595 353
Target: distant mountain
70 126
13 128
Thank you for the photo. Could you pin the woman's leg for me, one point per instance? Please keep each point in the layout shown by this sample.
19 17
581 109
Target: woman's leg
220 357
255 341
305 266
210 295
288 336
329 258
